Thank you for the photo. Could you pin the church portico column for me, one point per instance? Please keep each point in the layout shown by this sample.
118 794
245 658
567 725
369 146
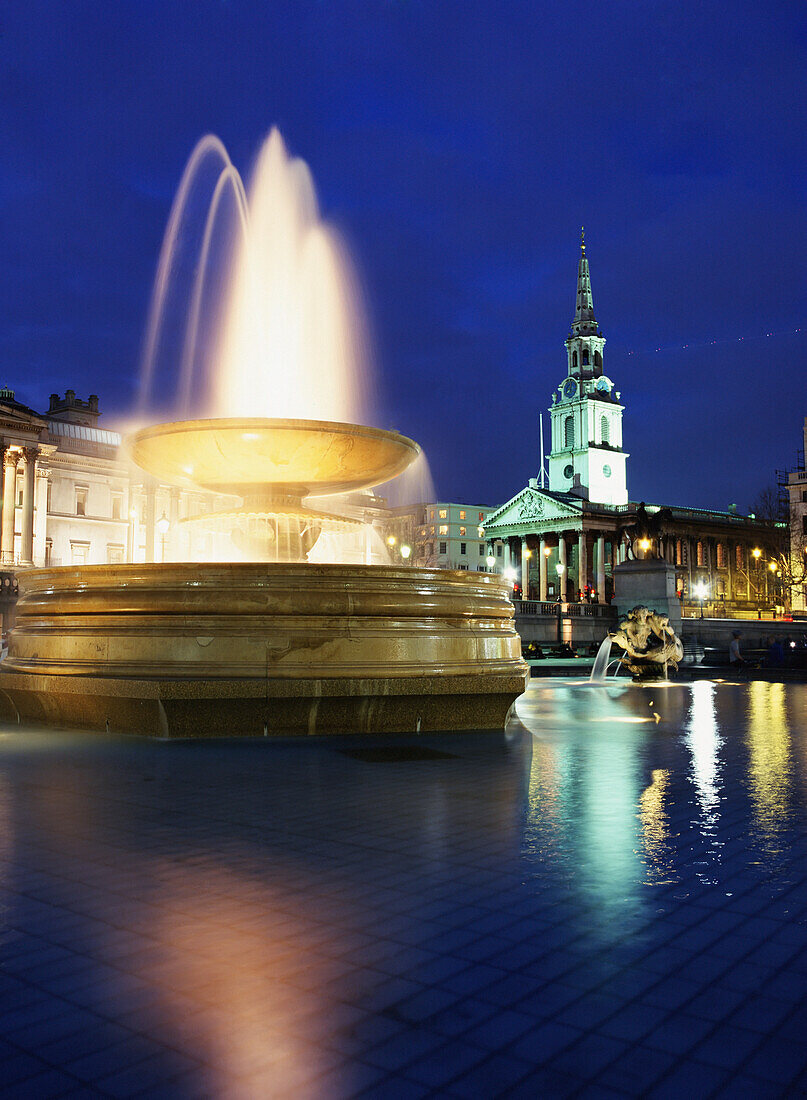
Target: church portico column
582 564
600 568
9 493
542 595
525 570
27 523
563 575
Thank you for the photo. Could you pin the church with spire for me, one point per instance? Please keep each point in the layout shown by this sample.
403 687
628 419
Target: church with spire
564 533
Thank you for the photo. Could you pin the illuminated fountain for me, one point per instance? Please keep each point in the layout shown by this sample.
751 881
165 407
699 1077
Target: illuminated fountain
269 638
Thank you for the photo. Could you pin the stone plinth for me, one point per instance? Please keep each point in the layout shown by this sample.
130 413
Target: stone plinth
650 582
245 649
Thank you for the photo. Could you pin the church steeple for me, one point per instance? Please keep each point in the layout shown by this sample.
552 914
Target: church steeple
584 322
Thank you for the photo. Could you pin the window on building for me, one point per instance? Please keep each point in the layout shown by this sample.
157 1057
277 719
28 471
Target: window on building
81 502
114 554
679 552
499 550
462 530
442 548
431 549
604 430
19 498
721 556
597 359
481 517
574 360
804 496
423 532
443 513
462 547
804 524
568 432
443 528
739 557
48 551
79 552
462 513
432 514
699 555
481 549
117 505
585 357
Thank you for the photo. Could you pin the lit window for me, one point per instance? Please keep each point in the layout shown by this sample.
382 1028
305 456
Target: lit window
462 547
442 548
443 528
721 556
462 513
443 513
699 554
481 517
81 502
679 554
432 515
423 531
462 530
432 530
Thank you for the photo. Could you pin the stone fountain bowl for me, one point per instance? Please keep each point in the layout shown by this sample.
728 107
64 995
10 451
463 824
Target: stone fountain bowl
296 457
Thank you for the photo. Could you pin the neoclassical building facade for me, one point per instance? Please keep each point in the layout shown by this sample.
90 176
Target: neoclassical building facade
562 539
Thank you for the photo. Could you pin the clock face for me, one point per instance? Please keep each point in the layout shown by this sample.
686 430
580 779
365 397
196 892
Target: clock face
569 387
568 471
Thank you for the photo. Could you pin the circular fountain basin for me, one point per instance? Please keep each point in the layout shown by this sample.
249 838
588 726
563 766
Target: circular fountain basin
247 649
298 457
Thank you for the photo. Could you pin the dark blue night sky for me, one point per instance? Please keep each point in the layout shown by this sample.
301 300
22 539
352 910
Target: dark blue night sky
459 146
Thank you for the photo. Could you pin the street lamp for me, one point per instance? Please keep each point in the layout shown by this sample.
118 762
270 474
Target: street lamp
391 540
163 525
700 592
405 551
491 561
559 568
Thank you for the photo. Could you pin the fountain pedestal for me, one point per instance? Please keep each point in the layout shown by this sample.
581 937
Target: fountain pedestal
649 582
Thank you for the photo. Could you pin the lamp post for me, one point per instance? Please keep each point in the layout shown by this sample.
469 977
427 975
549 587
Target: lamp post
163 525
406 552
700 590
559 568
491 561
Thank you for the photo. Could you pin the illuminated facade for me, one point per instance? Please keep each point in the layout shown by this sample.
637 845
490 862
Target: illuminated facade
563 540
444 535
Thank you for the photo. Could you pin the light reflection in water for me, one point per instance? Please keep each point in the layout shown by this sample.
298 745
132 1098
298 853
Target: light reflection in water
704 742
770 764
656 829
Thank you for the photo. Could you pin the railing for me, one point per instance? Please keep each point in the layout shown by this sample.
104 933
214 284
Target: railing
567 610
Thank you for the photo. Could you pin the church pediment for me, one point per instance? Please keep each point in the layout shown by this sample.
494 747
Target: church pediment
529 507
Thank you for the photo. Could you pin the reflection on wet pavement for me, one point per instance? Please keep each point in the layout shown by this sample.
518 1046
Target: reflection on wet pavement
613 891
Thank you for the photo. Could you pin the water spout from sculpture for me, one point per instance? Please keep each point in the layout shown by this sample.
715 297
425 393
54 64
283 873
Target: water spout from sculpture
601 661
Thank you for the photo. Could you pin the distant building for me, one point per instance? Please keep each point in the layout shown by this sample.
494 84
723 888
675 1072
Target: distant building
444 535
797 500
581 519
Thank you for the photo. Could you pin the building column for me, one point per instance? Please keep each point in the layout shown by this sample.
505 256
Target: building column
542 572
9 504
582 564
173 530
41 506
525 570
151 504
600 568
564 576
27 524
506 556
